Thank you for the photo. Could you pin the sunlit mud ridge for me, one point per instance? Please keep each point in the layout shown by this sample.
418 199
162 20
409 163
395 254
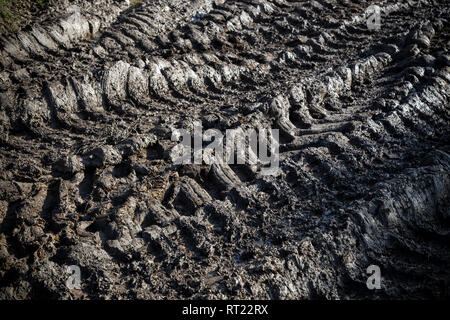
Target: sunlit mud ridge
89 100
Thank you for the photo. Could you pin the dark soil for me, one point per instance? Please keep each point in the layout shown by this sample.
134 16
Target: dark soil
88 104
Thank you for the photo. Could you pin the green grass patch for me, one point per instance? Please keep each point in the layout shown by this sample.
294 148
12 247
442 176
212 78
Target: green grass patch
5 6
4 10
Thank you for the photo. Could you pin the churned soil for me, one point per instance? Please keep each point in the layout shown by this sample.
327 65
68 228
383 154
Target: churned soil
91 92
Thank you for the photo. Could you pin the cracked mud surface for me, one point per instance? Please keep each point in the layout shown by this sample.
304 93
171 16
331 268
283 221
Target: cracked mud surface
88 103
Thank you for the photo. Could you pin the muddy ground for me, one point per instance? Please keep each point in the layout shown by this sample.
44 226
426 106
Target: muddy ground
91 92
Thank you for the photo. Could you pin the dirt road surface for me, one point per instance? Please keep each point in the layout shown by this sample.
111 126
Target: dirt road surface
91 92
